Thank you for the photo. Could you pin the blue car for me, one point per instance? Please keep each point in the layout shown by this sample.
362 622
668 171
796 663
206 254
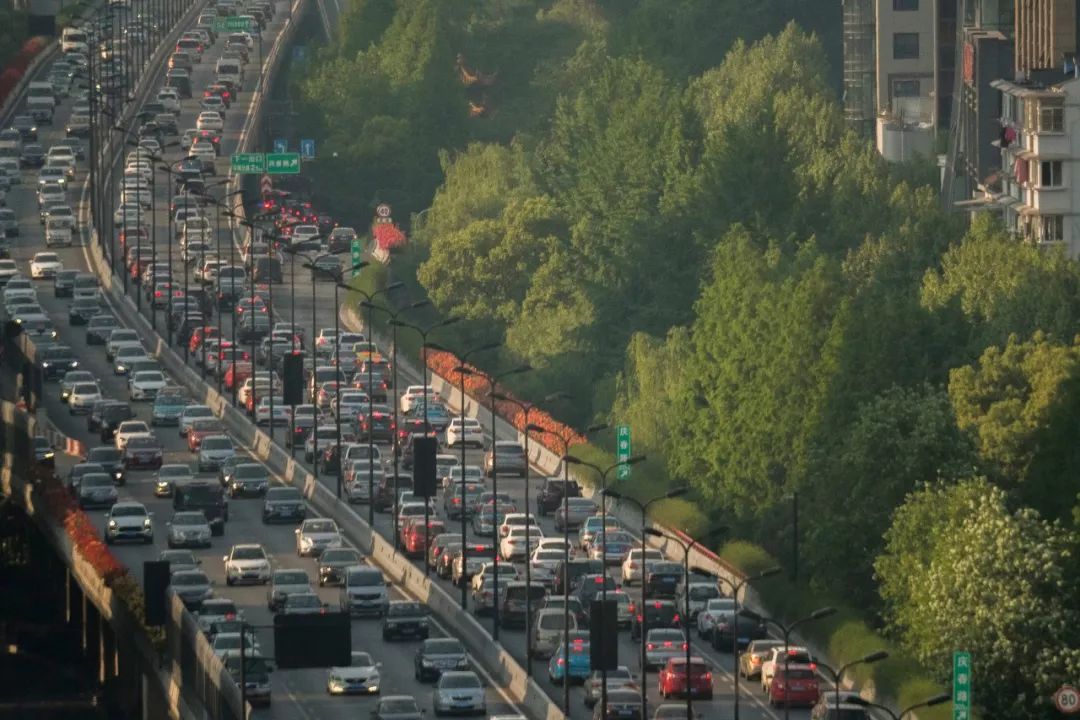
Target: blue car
579 661
437 415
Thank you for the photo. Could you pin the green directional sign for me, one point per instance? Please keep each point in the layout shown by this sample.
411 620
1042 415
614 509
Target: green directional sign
357 251
231 24
622 450
247 163
961 684
282 163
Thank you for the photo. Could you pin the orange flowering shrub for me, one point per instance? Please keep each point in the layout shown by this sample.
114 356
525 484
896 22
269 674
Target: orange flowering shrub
16 68
445 364
84 536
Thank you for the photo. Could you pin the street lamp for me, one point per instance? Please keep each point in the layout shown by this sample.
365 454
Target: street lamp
564 438
838 675
493 382
786 631
394 393
644 507
368 298
929 702
461 389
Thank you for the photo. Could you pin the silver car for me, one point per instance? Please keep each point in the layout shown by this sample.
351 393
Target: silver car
97 490
315 535
179 560
361 677
285 583
213 451
580 510
192 413
662 645
189 529
129 521
192 587
548 630
618 679
303 603
459 691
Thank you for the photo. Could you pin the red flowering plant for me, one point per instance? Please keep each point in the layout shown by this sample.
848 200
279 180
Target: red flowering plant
84 536
445 365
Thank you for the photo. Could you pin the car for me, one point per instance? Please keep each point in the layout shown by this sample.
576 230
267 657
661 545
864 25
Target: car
506 457
303 603
109 458
543 564
82 310
44 453
662 644
845 705
179 560
459 691
64 283
192 587
218 614
662 579
621 705
794 684
189 529
209 120
397 707
96 490
168 406
573 512
213 450
731 633
611 547
469 433
145 385
99 327
364 591
658 614
315 535
562 668
129 429
779 656
228 644
126 356
516 545
143 451
405 618
617 679
333 562
283 504
45 265
594 525
701 590
82 397
190 414
438 655
249 479
360 677
247 562
756 653
284 583
169 476
56 361
672 678
76 473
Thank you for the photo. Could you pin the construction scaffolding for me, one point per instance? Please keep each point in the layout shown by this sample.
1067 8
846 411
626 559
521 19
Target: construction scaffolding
859 63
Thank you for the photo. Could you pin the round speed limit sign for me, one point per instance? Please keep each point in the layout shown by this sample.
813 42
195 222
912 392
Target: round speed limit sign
1067 699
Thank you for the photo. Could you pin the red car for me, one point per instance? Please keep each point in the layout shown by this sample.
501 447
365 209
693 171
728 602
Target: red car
203 428
200 334
415 540
794 685
236 373
672 680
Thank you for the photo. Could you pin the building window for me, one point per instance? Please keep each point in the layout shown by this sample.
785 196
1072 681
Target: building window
1050 173
905 46
1052 228
1051 118
905 88
905 5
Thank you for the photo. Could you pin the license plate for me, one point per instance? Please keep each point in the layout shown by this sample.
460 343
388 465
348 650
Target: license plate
744 640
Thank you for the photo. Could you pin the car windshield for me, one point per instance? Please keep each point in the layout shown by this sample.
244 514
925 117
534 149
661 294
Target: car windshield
304 600
405 609
703 592
142 442
365 578
190 578
174 471
284 494
338 556
96 481
291 577
320 526
398 706
362 659
248 553
128 510
104 455
179 557
250 470
444 647
85 388
219 443
189 518
459 681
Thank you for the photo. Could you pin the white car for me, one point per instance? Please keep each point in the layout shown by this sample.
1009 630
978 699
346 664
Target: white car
169 99
45 265
414 394
247 563
146 384
190 414
713 612
315 535
207 155
352 403
459 691
543 564
281 411
227 644
361 677
797 655
304 234
209 120
8 269
471 433
214 103
126 356
129 521
513 546
83 396
118 338
633 568
129 429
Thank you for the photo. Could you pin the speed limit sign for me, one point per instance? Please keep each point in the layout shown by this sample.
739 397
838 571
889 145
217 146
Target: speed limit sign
1067 699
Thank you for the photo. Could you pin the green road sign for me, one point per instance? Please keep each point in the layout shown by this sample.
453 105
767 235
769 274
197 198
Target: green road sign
961 685
357 251
282 163
622 450
247 163
231 24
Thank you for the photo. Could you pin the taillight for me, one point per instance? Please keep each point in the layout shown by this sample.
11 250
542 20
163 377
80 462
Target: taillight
650 646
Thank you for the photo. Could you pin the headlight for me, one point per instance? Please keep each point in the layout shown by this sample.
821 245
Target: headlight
147 524
118 474
49 453
74 363
112 524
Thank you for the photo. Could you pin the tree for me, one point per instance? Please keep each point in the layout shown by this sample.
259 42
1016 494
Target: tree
961 570
1021 405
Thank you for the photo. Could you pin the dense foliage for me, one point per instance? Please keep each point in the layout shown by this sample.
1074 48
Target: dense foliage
656 203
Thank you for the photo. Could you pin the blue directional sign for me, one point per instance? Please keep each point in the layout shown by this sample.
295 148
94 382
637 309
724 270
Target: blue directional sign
281 145
307 149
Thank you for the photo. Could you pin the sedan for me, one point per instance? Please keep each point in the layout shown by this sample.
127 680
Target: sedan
192 587
303 603
143 451
361 677
169 476
397 707
82 397
209 120
315 535
283 584
83 310
129 429
189 529
146 384
129 521
439 655
459 691
249 479
190 414
332 564
663 644
97 490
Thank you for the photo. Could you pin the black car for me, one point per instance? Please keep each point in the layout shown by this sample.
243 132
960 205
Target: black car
591 587
662 578
33 156
83 310
283 504
109 458
389 488
99 328
330 460
44 453
332 564
745 631
26 127
326 266
249 479
56 361
405 618
379 425
436 656
9 223
658 614
551 494
64 283
302 426
76 473
111 417
578 568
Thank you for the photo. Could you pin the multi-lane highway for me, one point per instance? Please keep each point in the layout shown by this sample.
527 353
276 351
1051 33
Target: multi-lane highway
296 693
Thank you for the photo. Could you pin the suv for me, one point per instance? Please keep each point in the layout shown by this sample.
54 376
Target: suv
551 494
506 457
364 592
405 618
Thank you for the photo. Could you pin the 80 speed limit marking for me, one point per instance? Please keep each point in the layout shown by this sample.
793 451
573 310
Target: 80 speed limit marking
1067 699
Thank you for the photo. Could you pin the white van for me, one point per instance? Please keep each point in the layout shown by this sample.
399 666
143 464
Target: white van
41 90
74 40
57 233
230 71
